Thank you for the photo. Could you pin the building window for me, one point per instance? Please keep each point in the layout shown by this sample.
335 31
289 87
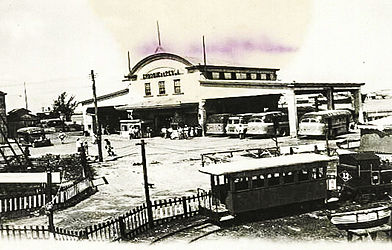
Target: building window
227 75
161 85
241 76
177 86
147 88
215 75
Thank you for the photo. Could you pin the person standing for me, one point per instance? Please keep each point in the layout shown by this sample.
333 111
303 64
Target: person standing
62 136
109 148
79 145
86 147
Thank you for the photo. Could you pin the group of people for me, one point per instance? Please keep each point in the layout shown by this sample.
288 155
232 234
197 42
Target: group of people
135 132
181 132
82 147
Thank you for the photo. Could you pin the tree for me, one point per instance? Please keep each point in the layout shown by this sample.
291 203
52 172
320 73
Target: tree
64 105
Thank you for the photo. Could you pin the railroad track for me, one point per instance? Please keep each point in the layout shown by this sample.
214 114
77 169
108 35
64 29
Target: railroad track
190 233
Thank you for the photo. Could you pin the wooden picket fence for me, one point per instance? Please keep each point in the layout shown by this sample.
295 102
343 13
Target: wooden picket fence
33 202
124 227
38 232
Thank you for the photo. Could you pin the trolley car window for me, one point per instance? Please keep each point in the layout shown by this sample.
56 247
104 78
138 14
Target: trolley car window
241 184
258 181
273 179
303 175
288 177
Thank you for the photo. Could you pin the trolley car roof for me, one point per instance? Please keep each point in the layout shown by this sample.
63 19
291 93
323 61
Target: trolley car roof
264 163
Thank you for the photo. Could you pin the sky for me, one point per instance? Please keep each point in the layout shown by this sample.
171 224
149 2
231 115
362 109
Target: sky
52 46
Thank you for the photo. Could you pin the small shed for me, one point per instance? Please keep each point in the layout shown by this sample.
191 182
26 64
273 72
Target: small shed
20 118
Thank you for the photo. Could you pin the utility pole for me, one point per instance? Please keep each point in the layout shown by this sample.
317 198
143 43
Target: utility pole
146 186
97 124
25 92
205 58
327 131
49 205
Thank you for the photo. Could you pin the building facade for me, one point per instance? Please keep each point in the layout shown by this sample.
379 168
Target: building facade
165 88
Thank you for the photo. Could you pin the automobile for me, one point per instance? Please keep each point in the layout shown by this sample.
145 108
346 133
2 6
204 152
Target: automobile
32 136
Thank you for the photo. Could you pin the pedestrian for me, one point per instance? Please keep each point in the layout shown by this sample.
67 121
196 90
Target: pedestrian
180 133
62 137
186 132
86 148
79 145
192 132
148 132
27 151
109 148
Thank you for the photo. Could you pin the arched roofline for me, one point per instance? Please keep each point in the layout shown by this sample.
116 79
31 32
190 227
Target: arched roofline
159 56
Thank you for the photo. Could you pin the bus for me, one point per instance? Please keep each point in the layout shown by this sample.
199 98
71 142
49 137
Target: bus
263 124
334 122
33 136
265 183
238 124
216 124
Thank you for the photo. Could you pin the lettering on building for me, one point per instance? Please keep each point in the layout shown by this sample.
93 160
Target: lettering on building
162 74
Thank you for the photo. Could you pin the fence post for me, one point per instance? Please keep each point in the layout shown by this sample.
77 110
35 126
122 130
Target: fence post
146 185
390 223
122 227
184 206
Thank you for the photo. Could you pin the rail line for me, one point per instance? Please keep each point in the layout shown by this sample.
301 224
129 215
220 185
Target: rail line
191 233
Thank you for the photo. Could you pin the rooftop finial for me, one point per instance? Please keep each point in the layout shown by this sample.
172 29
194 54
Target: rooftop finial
159 48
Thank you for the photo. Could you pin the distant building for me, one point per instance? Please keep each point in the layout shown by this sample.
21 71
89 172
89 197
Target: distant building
376 136
109 116
3 114
20 118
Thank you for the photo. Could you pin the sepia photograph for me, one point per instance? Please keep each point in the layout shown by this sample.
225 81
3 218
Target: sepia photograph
195 124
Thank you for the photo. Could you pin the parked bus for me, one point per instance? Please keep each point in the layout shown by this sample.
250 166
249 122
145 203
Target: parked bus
237 124
263 124
33 136
318 123
216 124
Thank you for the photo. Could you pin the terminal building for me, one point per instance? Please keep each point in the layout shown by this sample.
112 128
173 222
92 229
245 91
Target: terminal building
165 88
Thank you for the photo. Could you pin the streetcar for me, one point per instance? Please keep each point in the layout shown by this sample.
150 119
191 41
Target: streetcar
333 122
268 123
265 183
216 124
363 174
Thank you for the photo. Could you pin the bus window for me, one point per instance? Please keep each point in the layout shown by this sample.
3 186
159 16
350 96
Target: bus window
241 184
257 181
236 122
288 177
303 175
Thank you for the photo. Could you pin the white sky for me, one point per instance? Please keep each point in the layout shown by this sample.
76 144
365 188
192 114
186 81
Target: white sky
53 45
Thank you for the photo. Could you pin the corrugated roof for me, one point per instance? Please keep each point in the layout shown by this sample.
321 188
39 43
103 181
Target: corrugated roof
264 163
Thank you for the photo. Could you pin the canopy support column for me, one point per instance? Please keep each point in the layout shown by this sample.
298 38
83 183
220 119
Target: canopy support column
202 115
292 112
